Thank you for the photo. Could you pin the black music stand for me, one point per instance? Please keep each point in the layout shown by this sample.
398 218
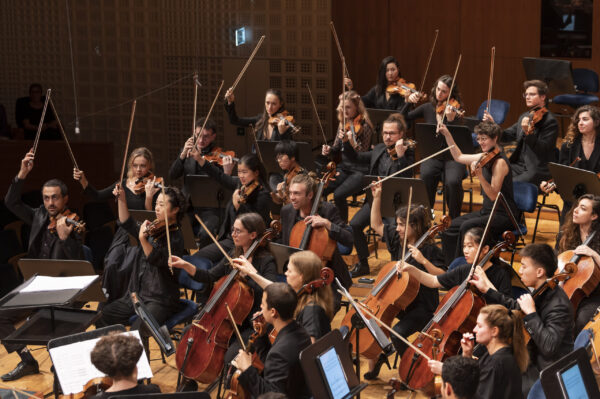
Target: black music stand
205 192
572 183
377 116
327 366
557 74
267 151
430 142
282 254
189 240
394 193
570 377
174 395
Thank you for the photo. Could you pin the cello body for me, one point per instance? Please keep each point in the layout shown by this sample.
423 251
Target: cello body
318 242
584 276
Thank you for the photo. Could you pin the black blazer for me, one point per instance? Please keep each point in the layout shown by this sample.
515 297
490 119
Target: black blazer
395 102
38 219
373 156
338 232
568 153
282 372
234 119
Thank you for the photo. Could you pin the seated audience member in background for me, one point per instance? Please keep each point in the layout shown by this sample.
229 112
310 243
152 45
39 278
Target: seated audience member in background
29 113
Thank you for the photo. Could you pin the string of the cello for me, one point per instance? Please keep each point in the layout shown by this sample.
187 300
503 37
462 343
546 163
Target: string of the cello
235 327
214 239
164 198
406 224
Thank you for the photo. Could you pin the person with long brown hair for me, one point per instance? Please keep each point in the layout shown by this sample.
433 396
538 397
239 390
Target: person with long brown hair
358 131
314 310
500 330
581 221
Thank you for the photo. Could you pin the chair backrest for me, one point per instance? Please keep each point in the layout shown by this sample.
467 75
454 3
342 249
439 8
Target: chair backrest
498 108
525 196
585 80
186 281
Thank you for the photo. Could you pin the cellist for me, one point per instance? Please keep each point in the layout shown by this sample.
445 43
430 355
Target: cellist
547 316
581 221
428 258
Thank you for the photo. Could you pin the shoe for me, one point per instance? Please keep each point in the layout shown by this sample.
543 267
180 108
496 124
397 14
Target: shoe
360 270
22 369
382 359
187 385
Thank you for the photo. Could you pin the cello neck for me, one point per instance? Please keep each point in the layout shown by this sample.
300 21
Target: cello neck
587 241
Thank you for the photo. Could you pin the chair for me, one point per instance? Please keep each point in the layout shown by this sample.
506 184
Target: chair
188 283
344 250
525 196
586 82
498 109
87 253
457 262
543 204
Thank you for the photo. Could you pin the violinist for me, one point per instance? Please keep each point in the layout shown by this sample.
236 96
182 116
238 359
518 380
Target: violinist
494 176
358 132
63 242
287 158
116 355
580 149
386 158
500 330
282 372
314 311
581 220
185 165
548 313
428 258
269 129
535 133
151 278
433 169
303 189
246 229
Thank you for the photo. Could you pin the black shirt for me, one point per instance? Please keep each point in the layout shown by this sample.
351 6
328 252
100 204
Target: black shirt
314 320
506 189
498 274
46 242
134 201
140 389
499 376
379 101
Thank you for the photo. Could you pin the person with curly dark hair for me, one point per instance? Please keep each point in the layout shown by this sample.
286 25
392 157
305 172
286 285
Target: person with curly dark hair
116 355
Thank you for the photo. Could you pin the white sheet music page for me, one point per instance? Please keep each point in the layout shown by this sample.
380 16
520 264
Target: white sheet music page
45 283
75 369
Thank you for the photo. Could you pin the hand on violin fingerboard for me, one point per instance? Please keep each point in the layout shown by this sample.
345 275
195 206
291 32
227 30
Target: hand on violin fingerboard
414 98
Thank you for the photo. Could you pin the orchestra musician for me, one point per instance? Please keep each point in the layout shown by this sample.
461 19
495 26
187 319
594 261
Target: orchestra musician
155 283
314 310
433 169
358 131
62 242
548 313
460 378
500 330
282 371
287 158
274 105
116 355
580 149
386 158
185 165
302 195
580 222
428 258
536 139
494 175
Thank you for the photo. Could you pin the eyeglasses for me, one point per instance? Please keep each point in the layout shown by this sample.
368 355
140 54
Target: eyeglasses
525 95
236 232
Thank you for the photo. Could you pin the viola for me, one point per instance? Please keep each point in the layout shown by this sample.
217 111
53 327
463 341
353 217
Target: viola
316 239
156 228
535 115
200 354
454 106
284 116
140 184
409 143
217 156
487 157
391 293
354 127
71 219
455 315
401 87
247 190
281 196
91 388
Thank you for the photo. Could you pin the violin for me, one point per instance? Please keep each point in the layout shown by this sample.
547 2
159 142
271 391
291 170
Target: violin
91 388
71 219
247 190
409 143
455 315
281 196
354 127
487 157
285 116
390 294
454 106
217 156
535 115
156 228
140 184
401 87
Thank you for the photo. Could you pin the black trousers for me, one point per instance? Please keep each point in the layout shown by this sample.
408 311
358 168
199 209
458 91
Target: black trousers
212 252
452 239
409 323
8 318
361 219
453 174
585 311
345 184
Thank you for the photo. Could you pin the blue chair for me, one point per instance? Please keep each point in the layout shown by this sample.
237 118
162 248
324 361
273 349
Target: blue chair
498 109
457 262
586 82
344 250
187 282
525 195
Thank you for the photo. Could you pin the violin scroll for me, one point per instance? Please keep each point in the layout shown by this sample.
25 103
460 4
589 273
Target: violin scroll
326 278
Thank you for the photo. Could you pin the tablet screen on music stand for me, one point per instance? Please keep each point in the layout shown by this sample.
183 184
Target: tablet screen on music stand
572 383
331 368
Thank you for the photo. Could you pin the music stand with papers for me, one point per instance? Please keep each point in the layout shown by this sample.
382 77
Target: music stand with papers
430 142
267 151
327 366
394 193
189 240
572 183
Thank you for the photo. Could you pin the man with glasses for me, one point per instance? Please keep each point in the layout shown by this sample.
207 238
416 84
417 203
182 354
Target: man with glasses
529 161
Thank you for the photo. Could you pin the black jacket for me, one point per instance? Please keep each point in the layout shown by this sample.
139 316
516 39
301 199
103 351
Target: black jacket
550 326
282 372
338 232
373 156
247 121
395 102
134 201
568 153
38 219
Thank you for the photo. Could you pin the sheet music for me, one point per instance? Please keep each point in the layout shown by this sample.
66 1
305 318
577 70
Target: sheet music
74 367
45 283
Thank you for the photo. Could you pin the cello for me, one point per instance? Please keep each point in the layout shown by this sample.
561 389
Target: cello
315 239
455 315
391 293
207 338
